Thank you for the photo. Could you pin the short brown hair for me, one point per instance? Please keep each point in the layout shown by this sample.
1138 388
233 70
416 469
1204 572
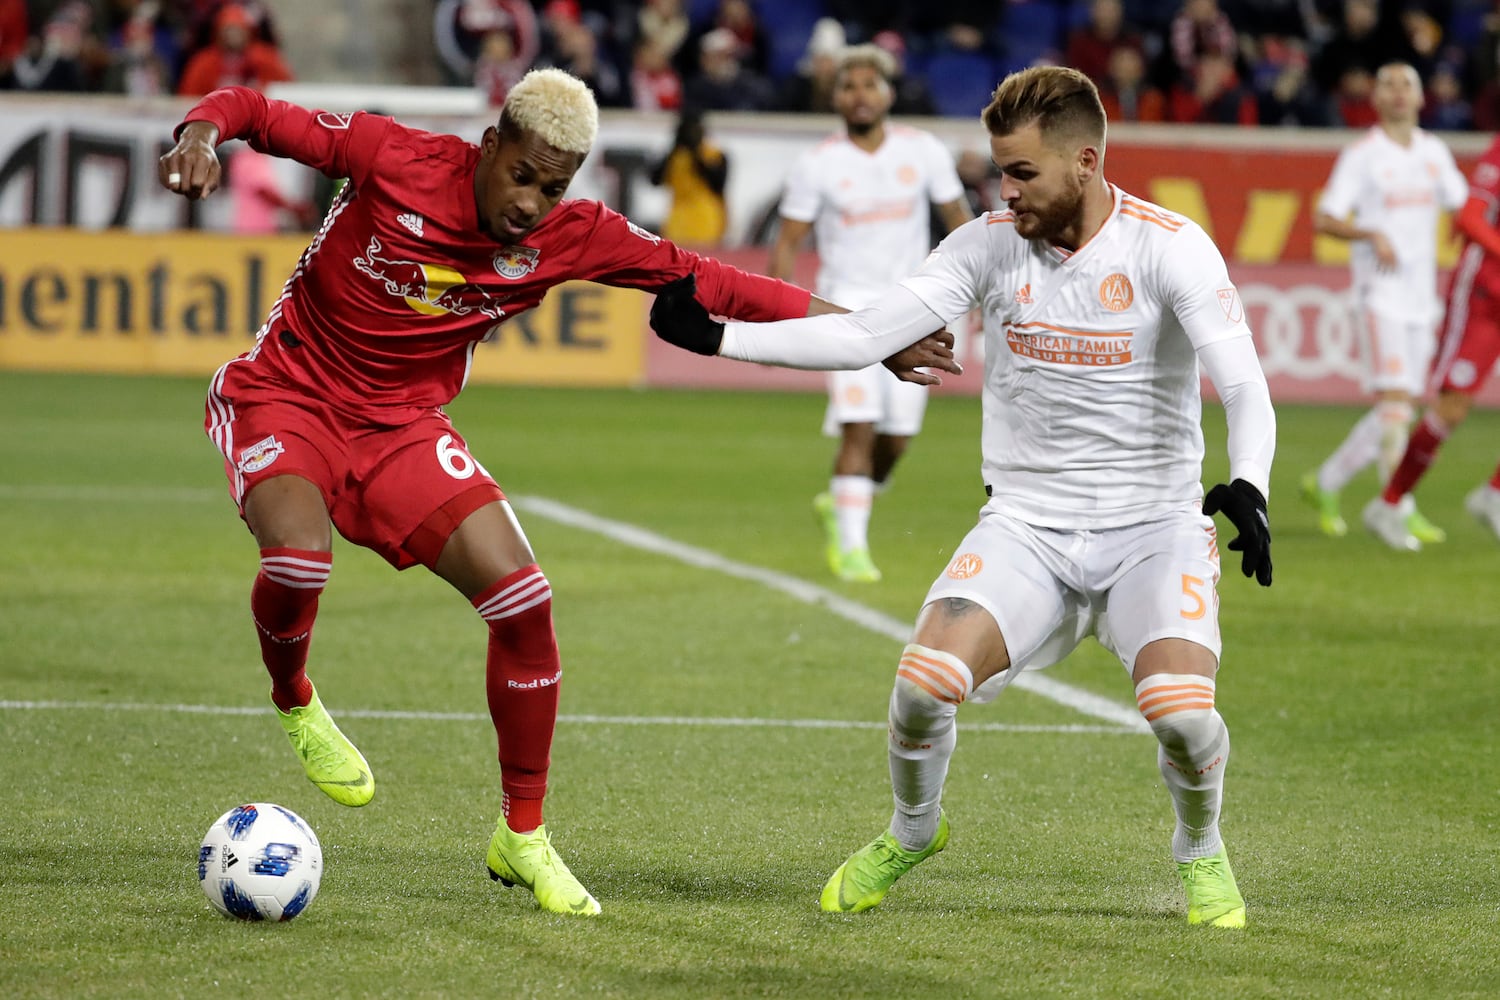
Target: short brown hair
1061 101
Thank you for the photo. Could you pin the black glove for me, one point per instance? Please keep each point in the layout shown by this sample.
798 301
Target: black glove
1246 509
679 319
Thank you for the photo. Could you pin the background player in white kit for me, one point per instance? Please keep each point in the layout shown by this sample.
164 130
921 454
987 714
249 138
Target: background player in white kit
1093 452
864 193
1384 197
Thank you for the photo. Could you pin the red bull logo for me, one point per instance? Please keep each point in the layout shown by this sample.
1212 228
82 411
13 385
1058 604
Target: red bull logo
516 262
430 289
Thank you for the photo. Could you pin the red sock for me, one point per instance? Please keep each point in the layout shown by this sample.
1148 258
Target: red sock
522 672
284 602
1495 479
1421 449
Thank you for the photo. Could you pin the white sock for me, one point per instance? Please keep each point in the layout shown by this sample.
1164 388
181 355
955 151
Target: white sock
852 498
1395 424
930 685
1359 449
1193 749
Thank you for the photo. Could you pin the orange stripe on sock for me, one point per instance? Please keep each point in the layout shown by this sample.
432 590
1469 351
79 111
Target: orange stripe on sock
919 682
943 668
953 692
1158 696
1153 716
1148 703
1154 692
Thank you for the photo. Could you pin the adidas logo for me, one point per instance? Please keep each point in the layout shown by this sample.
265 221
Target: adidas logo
1023 297
411 221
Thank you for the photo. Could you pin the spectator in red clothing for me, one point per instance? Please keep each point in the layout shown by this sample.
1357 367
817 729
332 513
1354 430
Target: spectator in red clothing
14 30
233 58
1126 94
1214 96
1200 29
654 84
1351 101
1090 46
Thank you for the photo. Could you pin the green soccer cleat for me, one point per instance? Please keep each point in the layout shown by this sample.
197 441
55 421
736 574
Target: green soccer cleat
528 859
1213 898
856 566
863 880
1424 530
1326 503
827 515
332 763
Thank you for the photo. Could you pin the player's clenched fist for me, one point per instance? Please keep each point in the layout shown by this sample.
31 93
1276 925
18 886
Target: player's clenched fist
678 318
191 168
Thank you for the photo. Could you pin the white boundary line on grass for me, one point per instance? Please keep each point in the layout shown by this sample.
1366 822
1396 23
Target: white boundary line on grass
634 536
592 720
809 593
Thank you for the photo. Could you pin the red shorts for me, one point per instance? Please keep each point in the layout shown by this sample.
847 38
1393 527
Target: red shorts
1470 343
399 489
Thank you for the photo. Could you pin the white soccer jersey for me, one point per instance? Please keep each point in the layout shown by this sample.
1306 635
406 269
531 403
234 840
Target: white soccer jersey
1398 191
870 210
1091 402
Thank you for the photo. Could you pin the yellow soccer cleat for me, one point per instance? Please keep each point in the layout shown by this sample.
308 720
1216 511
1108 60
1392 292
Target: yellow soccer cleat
827 514
1326 503
332 763
856 566
1424 530
1213 898
863 880
529 859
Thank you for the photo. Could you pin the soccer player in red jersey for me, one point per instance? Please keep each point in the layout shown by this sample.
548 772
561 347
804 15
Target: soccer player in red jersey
1469 347
335 418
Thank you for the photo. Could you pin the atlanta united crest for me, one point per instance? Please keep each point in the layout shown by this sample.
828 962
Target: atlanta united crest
516 262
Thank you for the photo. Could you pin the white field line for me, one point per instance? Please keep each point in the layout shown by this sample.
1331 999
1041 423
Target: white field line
585 720
809 593
634 536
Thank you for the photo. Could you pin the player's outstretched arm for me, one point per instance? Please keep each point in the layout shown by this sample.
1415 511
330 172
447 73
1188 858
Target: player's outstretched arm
191 168
898 326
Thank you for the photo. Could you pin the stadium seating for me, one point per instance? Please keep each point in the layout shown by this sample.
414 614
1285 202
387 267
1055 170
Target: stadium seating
961 82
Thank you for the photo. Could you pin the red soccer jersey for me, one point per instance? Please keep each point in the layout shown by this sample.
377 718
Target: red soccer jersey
390 298
1477 267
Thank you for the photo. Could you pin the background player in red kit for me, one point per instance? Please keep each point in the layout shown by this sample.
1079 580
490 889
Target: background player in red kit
336 414
1467 351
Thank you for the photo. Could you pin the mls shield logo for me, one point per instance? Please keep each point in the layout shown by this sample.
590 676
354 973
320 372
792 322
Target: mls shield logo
516 262
339 122
1229 301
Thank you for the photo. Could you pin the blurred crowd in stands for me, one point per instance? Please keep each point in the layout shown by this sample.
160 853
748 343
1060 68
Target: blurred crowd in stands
1269 62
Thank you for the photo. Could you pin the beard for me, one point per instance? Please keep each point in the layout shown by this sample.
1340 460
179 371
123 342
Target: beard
861 128
1052 221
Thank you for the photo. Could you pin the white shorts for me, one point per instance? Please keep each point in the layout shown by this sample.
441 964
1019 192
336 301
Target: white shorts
1047 589
1398 351
874 396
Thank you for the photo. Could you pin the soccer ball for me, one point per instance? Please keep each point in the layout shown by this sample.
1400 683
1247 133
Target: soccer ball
260 862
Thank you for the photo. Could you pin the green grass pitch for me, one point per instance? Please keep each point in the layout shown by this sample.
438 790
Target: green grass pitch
1362 808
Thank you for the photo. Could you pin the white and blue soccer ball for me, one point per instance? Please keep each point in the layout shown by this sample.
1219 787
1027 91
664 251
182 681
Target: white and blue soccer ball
260 862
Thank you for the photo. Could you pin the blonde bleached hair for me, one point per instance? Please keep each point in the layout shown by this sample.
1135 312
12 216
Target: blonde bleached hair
556 107
867 57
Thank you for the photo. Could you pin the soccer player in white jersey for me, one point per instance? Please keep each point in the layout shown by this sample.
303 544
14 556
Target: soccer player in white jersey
1099 309
1383 198
864 194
